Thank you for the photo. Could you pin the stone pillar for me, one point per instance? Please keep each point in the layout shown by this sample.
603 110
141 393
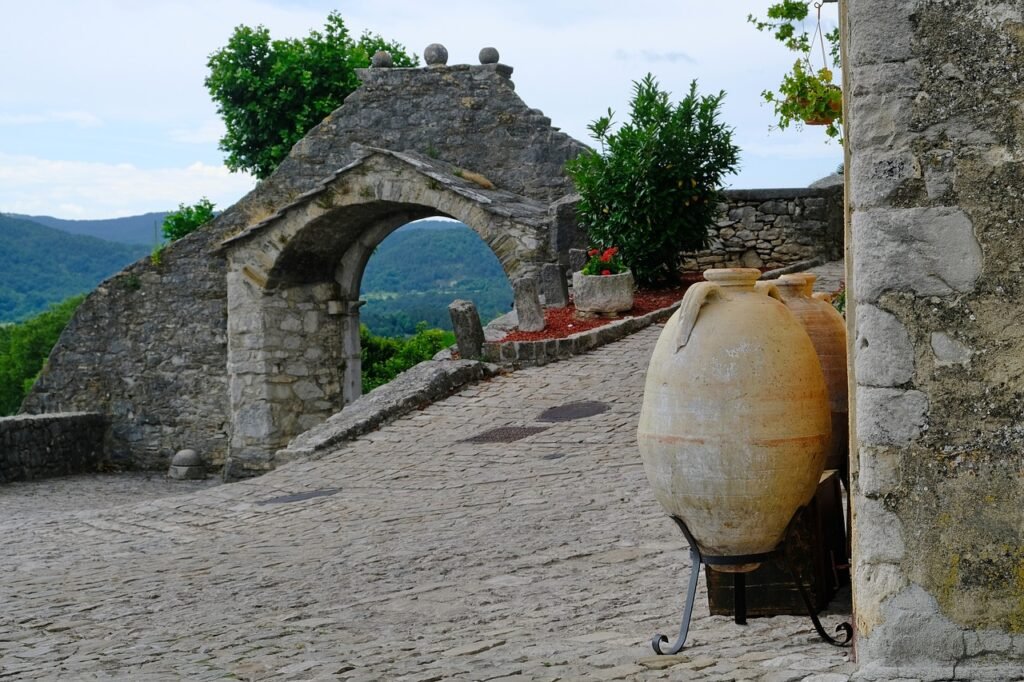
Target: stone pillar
352 352
937 165
527 302
554 285
469 333
285 355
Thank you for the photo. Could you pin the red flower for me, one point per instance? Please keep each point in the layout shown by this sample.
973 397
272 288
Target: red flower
606 272
606 257
592 252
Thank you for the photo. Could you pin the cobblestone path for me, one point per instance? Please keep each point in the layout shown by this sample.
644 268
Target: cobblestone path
409 554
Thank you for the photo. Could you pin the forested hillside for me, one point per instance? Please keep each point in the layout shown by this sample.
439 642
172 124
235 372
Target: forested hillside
417 271
40 266
136 229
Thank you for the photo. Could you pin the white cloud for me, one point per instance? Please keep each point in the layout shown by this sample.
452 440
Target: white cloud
75 189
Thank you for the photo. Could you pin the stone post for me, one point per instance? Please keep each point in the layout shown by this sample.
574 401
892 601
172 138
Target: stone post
528 307
577 259
554 285
469 334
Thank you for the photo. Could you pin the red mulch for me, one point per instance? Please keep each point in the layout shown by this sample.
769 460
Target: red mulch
562 322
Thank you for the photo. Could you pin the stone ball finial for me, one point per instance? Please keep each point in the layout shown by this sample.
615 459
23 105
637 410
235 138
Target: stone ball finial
381 59
435 55
489 55
186 458
187 465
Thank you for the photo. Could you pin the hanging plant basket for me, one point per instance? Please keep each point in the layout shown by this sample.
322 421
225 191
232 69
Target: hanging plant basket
833 111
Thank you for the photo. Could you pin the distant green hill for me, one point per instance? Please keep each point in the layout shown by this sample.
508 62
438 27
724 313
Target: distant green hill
136 229
417 271
40 265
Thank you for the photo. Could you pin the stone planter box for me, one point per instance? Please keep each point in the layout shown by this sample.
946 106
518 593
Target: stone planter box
603 293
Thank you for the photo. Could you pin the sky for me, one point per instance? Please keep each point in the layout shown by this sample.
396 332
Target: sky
103 111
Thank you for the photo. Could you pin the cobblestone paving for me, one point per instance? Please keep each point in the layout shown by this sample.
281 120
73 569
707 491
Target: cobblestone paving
419 557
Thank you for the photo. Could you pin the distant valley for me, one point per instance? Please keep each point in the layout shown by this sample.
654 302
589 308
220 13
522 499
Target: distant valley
411 278
40 265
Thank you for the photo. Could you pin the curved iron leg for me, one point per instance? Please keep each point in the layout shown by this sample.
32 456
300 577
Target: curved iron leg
846 628
691 595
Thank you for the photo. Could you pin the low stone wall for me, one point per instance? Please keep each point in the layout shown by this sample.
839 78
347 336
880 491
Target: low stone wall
516 354
39 446
773 228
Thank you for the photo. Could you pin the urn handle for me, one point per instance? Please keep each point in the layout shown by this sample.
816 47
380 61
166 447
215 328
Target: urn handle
822 296
695 298
769 289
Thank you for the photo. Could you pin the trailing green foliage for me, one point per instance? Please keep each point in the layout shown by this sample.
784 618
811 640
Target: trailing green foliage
385 358
654 188
24 348
270 93
187 219
415 273
806 94
40 265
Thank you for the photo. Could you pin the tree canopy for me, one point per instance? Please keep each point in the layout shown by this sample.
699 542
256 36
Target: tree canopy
270 93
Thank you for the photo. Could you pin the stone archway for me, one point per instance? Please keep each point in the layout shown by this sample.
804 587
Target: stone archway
293 284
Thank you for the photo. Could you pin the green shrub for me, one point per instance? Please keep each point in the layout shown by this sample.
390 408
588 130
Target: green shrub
384 358
186 220
654 188
24 348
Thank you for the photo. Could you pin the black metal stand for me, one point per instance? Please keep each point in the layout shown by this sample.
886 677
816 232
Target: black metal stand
698 560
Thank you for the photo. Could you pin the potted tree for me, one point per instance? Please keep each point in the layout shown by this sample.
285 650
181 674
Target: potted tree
654 187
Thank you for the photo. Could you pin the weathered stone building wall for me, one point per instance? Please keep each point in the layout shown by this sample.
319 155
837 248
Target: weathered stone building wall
50 445
773 228
935 115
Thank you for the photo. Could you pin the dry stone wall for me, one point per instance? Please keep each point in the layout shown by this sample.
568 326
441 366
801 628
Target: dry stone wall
147 348
773 228
937 298
50 445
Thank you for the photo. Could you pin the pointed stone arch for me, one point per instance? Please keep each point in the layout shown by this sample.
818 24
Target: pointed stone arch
293 283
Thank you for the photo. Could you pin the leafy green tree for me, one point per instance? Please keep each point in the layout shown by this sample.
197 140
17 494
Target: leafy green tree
385 358
270 93
653 189
187 219
24 348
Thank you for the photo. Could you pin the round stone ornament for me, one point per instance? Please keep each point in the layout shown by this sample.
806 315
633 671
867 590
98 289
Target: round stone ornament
435 55
381 60
186 458
489 55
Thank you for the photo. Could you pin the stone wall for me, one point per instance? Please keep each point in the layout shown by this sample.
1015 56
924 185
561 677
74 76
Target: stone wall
773 228
149 346
936 188
50 445
148 349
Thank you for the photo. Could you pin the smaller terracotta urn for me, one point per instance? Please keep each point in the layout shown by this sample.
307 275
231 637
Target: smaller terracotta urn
827 330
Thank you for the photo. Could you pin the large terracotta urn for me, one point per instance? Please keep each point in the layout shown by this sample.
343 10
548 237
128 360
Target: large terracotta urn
827 330
735 421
